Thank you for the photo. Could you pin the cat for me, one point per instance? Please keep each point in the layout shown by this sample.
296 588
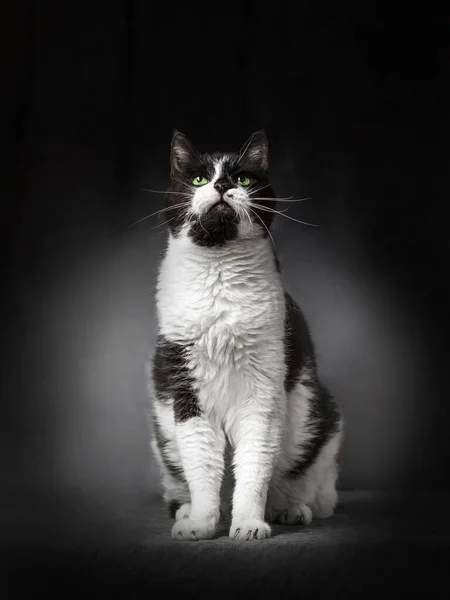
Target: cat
242 426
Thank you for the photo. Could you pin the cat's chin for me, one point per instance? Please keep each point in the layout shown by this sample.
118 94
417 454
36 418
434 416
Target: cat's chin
217 226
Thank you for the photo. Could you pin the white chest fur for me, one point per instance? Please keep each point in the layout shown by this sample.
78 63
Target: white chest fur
228 305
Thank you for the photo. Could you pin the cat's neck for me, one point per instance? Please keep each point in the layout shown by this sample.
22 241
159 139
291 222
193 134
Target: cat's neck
254 254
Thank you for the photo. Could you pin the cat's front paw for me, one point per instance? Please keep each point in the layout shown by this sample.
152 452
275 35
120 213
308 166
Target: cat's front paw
183 512
193 530
251 529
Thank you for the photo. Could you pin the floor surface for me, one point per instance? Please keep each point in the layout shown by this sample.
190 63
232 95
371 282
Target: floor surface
374 544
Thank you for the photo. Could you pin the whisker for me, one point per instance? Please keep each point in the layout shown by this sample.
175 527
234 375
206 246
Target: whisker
267 209
162 192
164 223
158 212
256 189
242 211
196 154
249 218
291 199
238 214
244 150
201 224
267 229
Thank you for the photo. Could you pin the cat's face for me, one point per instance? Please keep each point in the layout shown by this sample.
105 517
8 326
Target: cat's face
214 198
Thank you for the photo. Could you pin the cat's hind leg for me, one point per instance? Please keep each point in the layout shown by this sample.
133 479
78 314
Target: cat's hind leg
326 497
298 500
325 475
317 499
175 490
298 514
289 501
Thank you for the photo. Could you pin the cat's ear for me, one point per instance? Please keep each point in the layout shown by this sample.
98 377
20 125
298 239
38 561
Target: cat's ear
256 150
182 153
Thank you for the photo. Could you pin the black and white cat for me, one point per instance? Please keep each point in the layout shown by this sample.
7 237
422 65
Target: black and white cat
242 425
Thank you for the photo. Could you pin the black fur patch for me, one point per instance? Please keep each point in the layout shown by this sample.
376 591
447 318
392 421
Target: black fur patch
277 262
299 353
172 507
298 347
162 442
325 416
173 380
218 226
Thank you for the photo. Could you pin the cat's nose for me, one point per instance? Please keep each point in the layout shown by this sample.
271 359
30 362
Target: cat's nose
222 185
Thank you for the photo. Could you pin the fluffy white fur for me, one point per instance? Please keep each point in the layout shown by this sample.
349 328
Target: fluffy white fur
229 303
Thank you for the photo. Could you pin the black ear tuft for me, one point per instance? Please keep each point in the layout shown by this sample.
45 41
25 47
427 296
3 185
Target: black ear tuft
256 150
182 152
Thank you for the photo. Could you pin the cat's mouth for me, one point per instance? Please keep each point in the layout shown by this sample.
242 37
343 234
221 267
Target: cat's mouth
221 205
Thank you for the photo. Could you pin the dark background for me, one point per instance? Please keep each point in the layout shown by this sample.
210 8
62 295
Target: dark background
354 98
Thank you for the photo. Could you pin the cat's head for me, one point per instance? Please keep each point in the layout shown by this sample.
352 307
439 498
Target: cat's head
218 197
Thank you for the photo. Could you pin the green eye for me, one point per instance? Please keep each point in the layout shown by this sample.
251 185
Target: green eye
199 180
243 180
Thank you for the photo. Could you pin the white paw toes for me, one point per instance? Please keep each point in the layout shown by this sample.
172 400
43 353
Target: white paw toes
193 530
300 514
252 529
183 512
